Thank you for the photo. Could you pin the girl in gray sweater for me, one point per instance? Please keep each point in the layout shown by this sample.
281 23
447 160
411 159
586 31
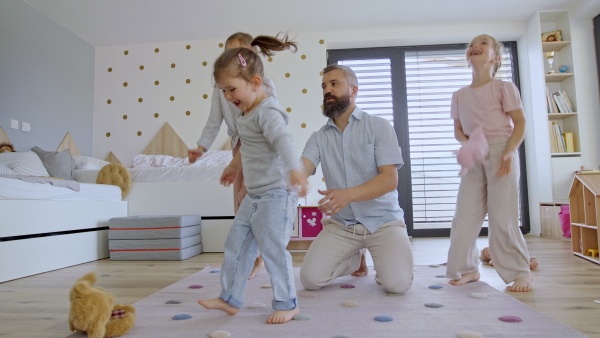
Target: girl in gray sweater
272 171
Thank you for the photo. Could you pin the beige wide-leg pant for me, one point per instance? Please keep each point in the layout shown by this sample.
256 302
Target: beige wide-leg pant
482 192
336 252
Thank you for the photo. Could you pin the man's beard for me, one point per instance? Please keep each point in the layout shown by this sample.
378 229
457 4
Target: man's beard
336 107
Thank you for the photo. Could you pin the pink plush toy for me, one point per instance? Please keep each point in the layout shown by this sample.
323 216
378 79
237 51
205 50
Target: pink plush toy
474 150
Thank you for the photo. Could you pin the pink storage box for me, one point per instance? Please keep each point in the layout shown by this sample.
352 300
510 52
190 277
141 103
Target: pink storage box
309 221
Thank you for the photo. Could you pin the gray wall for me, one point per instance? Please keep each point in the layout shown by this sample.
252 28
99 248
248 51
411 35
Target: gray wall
46 79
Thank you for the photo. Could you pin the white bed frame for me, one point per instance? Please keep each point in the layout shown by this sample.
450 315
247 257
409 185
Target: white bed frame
208 199
41 235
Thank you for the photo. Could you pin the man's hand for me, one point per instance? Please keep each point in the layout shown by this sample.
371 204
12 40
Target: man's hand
334 200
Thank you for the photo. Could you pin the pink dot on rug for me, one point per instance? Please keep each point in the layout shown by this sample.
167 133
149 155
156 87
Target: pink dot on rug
195 286
308 295
347 286
511 319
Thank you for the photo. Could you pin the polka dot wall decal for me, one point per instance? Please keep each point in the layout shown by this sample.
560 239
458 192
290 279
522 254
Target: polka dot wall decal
288 109
109 101
270 59
172 98
204 63
188 47
321 73
205 96
156 50
323 179
140 100
156 83
173 65
321 41
187 113
124 84
221 45
188 81
304 91
124 117
156 115
303 57
109 69
126 52
141 67
287 74
322 107
107 134
139 133
303 125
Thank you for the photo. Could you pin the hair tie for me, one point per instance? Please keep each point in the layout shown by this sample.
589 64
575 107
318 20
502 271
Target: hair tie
242 60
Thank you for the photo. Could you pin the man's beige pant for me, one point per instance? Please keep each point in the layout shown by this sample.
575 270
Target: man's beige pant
336 252
482 192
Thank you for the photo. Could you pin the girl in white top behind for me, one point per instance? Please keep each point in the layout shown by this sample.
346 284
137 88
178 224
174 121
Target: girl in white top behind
492 187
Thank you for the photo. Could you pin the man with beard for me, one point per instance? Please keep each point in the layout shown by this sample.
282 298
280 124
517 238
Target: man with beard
360 157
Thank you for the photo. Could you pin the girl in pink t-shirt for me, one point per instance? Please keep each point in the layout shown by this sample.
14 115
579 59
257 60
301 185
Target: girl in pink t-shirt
491 186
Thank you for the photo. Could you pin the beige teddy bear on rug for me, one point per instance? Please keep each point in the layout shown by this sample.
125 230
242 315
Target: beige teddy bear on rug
93 310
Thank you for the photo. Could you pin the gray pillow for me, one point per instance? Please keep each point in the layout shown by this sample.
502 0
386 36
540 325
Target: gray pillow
58 163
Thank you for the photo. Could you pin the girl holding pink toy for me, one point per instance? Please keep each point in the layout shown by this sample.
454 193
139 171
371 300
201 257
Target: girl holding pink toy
491 186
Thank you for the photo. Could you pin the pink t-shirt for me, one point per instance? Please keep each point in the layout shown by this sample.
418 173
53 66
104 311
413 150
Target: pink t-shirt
486 106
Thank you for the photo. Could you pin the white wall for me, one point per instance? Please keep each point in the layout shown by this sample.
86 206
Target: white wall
46 79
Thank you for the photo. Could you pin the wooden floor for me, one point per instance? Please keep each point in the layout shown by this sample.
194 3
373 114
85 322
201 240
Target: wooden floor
565 286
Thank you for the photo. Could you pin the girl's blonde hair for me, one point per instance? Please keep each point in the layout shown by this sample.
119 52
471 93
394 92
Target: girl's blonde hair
498 49
245 63
243 38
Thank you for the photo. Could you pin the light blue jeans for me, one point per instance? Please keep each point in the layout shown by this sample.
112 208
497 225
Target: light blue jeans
264 221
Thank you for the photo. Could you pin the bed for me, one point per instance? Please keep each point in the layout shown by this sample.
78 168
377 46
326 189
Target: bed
164 183
51 224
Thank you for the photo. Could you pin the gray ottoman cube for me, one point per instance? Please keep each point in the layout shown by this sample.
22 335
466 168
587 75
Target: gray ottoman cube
154 237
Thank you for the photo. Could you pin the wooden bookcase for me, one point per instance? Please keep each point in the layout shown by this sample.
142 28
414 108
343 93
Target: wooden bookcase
584 202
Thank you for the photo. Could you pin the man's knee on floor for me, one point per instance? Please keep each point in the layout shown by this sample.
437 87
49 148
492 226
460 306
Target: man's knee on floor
397 284
309 282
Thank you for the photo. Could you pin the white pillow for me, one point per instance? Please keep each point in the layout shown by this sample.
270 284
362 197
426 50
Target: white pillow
25 163
89 163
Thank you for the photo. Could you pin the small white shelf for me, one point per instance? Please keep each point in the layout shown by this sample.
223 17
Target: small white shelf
560 116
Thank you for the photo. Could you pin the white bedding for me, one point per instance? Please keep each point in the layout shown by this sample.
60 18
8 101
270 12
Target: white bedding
13 189
163 174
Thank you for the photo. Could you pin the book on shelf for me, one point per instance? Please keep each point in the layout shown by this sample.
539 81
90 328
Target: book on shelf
557 142
558 102
569 145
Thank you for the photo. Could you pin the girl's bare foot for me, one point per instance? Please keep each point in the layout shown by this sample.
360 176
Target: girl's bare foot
282 316
466 278
362 270
218 304
259 263
522 284
533 263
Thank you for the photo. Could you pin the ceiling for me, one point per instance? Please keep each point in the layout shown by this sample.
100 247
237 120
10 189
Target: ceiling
125 22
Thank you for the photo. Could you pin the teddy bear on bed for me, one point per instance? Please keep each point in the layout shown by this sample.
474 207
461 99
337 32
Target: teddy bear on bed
93 310
6 147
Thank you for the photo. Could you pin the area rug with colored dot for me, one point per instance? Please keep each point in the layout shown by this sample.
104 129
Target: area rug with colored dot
349 307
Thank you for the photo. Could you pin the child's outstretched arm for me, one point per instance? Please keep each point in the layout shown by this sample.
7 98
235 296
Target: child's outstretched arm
298 179
229 173
514 141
